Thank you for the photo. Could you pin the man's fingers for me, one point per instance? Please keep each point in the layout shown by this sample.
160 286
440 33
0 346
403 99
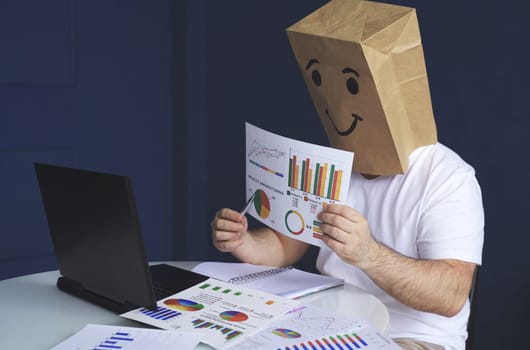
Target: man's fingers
226 225
333 232
229 214
224 236
343 210
228 245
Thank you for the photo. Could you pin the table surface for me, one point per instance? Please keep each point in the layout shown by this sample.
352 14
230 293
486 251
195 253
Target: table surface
37 315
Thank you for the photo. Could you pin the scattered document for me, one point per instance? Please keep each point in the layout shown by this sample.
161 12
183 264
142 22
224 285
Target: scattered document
288 282
224 313
102 337
289 181
311 328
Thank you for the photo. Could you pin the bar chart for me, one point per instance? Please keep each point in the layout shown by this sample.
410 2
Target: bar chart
229 333
115 341
161 313
339 342
322 179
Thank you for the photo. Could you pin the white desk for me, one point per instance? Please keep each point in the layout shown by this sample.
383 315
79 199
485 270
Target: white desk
37 315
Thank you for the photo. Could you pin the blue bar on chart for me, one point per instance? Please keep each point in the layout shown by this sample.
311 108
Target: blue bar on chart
108 345
160 313
121 336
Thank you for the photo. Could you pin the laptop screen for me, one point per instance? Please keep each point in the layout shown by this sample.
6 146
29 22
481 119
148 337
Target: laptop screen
96 234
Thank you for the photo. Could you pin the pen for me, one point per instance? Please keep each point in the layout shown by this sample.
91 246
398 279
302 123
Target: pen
247 206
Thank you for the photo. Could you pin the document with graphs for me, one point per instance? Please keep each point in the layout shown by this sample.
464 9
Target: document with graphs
307 327
105 337
287 181
223 313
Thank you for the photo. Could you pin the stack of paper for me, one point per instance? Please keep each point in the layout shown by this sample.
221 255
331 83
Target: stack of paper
228 316
310 328
288 282
223 313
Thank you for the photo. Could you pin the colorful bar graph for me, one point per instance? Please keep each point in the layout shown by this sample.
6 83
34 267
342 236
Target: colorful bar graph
229 333
323 180
350 341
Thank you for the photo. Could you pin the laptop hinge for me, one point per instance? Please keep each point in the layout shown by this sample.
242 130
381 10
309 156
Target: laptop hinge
72 287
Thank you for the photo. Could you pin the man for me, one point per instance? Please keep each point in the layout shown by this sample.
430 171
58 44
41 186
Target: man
411 231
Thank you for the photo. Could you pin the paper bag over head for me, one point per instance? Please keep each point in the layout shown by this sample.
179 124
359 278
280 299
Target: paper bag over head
363 64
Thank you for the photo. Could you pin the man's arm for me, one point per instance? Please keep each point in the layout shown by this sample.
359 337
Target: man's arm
437 286
262 246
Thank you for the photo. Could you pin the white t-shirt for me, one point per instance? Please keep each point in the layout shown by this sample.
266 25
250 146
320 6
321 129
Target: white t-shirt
433 211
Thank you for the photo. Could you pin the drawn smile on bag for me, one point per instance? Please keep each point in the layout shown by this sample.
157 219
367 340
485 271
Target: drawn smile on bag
352 127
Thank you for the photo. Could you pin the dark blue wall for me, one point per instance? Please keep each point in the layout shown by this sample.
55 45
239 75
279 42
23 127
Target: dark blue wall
96 85
160 90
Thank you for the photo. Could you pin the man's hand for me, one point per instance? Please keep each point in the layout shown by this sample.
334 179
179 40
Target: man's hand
347 233
439 286
228 230
260 246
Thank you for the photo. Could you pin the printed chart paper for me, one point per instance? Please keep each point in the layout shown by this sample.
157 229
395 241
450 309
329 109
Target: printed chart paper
312 328
224 313
288 180
102 337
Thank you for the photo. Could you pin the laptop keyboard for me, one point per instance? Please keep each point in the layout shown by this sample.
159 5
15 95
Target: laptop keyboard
161 291
168 280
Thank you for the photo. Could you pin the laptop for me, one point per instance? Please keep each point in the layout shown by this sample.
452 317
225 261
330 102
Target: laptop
98 242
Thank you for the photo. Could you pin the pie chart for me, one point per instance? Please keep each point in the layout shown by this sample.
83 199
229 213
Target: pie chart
183 304
262 204
286 333
234 316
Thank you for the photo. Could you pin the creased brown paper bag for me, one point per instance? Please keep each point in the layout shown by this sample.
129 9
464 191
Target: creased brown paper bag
363 64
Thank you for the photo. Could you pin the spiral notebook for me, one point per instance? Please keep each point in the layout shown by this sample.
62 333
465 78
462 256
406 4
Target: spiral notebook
288 282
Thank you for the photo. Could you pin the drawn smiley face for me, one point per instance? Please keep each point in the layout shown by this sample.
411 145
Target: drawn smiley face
339 76
350 83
